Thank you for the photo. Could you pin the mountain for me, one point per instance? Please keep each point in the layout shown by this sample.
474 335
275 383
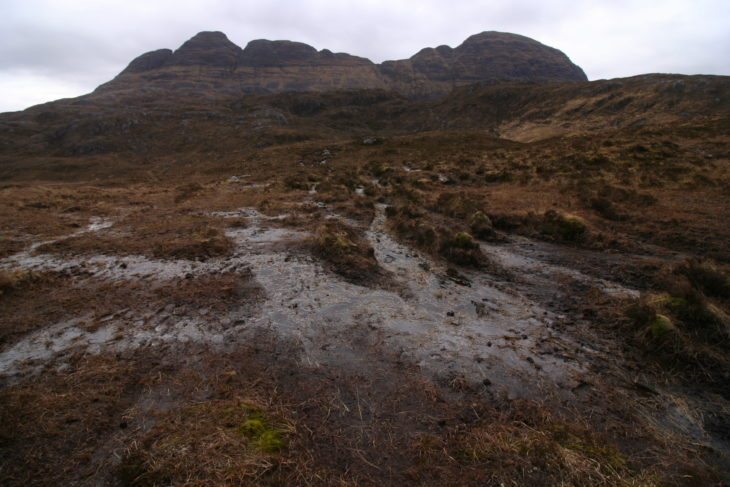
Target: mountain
210 64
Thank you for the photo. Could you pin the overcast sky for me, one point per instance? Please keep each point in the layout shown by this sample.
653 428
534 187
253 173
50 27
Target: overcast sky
51 49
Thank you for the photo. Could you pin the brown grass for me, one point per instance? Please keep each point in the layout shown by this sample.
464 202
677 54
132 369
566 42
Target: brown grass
155 234
347 253
206 443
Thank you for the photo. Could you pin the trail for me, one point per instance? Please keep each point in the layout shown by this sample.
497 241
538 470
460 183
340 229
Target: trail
488 334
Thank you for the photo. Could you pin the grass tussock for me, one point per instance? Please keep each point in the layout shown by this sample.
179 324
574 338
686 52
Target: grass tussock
564 227
462 249
346 252
552 225
706 277
12 280
526 445
434 236
687 322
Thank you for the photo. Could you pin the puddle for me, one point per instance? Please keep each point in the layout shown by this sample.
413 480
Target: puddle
49 342
96 224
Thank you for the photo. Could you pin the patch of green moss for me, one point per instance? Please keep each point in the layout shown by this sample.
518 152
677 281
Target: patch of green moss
269 441
661 326
252 427
263 435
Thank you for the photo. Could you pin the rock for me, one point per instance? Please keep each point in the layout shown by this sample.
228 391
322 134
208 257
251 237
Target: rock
149 61
212 49
369 141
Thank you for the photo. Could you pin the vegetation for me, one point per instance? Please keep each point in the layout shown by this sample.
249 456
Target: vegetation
618 178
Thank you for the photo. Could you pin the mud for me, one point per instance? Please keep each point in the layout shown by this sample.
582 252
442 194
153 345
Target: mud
488 335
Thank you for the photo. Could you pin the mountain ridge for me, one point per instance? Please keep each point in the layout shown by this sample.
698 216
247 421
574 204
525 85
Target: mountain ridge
210 61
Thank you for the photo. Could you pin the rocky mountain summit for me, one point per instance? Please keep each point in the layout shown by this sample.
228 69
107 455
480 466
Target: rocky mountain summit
211 62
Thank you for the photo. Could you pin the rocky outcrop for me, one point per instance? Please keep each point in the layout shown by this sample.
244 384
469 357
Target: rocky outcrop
207 49
210 64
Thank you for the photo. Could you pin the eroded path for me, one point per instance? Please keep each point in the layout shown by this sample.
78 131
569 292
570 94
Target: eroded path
490 334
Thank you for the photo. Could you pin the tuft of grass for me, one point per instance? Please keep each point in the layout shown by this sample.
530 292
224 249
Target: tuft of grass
252 427
458 205
14 279
347 253
481 226
462 249
463 240
569 228
269 441
706 277
540 449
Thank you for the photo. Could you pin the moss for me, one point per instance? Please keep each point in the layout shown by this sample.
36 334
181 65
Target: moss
269 441
265 437
661 326
252 427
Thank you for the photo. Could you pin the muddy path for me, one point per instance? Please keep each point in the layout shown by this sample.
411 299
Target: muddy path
486 334
496 338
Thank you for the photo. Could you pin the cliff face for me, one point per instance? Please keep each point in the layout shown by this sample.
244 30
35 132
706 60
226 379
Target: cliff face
210 64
